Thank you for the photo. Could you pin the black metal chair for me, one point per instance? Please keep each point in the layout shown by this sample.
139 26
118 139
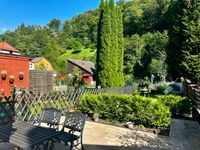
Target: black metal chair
7 113
51 117
74 122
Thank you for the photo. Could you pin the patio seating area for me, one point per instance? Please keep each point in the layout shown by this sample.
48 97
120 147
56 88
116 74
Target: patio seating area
24 135
184 135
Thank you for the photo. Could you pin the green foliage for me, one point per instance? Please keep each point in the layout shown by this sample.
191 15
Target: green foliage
162 88
109 40
150 112
144 83
157 67
177 104
122 108
184 42
134 47
72 43
54 24
142 53
145 25
77 77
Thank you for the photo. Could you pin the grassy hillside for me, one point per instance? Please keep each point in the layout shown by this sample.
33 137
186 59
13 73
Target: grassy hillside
83 54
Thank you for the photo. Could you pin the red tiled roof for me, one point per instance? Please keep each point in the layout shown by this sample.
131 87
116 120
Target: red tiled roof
85 65
7 47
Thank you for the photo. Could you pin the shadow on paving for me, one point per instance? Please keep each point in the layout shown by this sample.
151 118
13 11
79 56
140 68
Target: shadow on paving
112 147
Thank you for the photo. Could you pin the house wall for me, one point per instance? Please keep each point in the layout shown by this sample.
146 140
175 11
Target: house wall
46 63
88 79
13 65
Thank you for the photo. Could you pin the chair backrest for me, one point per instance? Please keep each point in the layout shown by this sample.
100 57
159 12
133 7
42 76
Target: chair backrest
75 121
7 112
50 116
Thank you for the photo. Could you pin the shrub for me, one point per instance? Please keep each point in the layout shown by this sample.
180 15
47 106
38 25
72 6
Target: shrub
150 112
123 108
162 88
177 104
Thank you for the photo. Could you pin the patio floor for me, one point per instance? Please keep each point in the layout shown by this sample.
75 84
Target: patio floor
184 135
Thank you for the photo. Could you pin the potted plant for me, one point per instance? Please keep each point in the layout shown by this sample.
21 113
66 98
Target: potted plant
96 117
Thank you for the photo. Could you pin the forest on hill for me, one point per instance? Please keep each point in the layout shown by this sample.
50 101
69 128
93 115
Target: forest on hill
146 25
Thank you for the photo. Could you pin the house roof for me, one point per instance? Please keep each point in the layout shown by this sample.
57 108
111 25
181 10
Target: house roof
7 47
85 65
37 59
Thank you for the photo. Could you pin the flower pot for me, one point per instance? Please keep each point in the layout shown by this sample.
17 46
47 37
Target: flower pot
12 79
96 117
21 75
3 75
130 125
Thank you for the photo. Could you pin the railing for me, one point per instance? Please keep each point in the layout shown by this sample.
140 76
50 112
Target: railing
28 107
193 93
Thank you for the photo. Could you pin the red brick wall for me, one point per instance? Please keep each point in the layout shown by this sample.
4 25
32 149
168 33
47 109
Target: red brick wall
13 65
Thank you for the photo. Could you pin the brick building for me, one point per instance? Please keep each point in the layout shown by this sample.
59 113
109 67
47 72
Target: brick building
14 69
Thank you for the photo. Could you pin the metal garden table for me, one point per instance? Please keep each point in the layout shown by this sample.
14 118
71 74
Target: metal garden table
28 136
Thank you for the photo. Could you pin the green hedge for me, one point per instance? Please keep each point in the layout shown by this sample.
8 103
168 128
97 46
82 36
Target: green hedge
123 108
177 104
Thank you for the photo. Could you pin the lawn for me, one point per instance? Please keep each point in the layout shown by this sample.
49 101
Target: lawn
83 54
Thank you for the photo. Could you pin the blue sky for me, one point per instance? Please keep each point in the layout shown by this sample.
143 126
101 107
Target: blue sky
15 12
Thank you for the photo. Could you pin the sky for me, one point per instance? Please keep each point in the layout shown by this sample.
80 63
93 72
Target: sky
39 12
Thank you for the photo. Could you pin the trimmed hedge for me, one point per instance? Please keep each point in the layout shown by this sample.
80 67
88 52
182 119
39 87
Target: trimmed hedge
177 104
122 108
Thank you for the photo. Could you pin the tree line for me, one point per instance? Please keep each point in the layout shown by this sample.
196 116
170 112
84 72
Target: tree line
160 37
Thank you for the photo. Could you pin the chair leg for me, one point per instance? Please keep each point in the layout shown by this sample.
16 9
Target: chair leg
72 144
82 148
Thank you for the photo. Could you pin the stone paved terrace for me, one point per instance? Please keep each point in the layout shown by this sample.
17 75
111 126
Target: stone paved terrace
184 135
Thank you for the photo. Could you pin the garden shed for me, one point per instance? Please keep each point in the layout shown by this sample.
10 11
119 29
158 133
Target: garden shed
86 67
14 69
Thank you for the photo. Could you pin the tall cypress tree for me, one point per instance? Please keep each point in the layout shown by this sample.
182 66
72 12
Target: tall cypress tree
120 45
109 57
114 45
104 73
98 64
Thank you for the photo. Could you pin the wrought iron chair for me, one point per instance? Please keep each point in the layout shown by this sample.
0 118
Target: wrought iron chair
7 112
74 122
51 117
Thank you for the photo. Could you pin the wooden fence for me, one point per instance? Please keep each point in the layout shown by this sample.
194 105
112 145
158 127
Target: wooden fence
193 93
28 107
40 81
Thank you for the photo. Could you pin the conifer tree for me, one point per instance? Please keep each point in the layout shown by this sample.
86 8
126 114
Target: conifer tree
190 62
120 46
104 73
110 36
184 41
98 63
114 51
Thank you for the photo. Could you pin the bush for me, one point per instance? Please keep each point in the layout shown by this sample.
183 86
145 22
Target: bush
177 104
123 108
162 88
150 112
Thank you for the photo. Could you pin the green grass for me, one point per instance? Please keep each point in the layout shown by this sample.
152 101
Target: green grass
84 54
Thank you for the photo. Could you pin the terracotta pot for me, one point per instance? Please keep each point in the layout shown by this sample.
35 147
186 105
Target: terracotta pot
3 74
21 75
12 79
